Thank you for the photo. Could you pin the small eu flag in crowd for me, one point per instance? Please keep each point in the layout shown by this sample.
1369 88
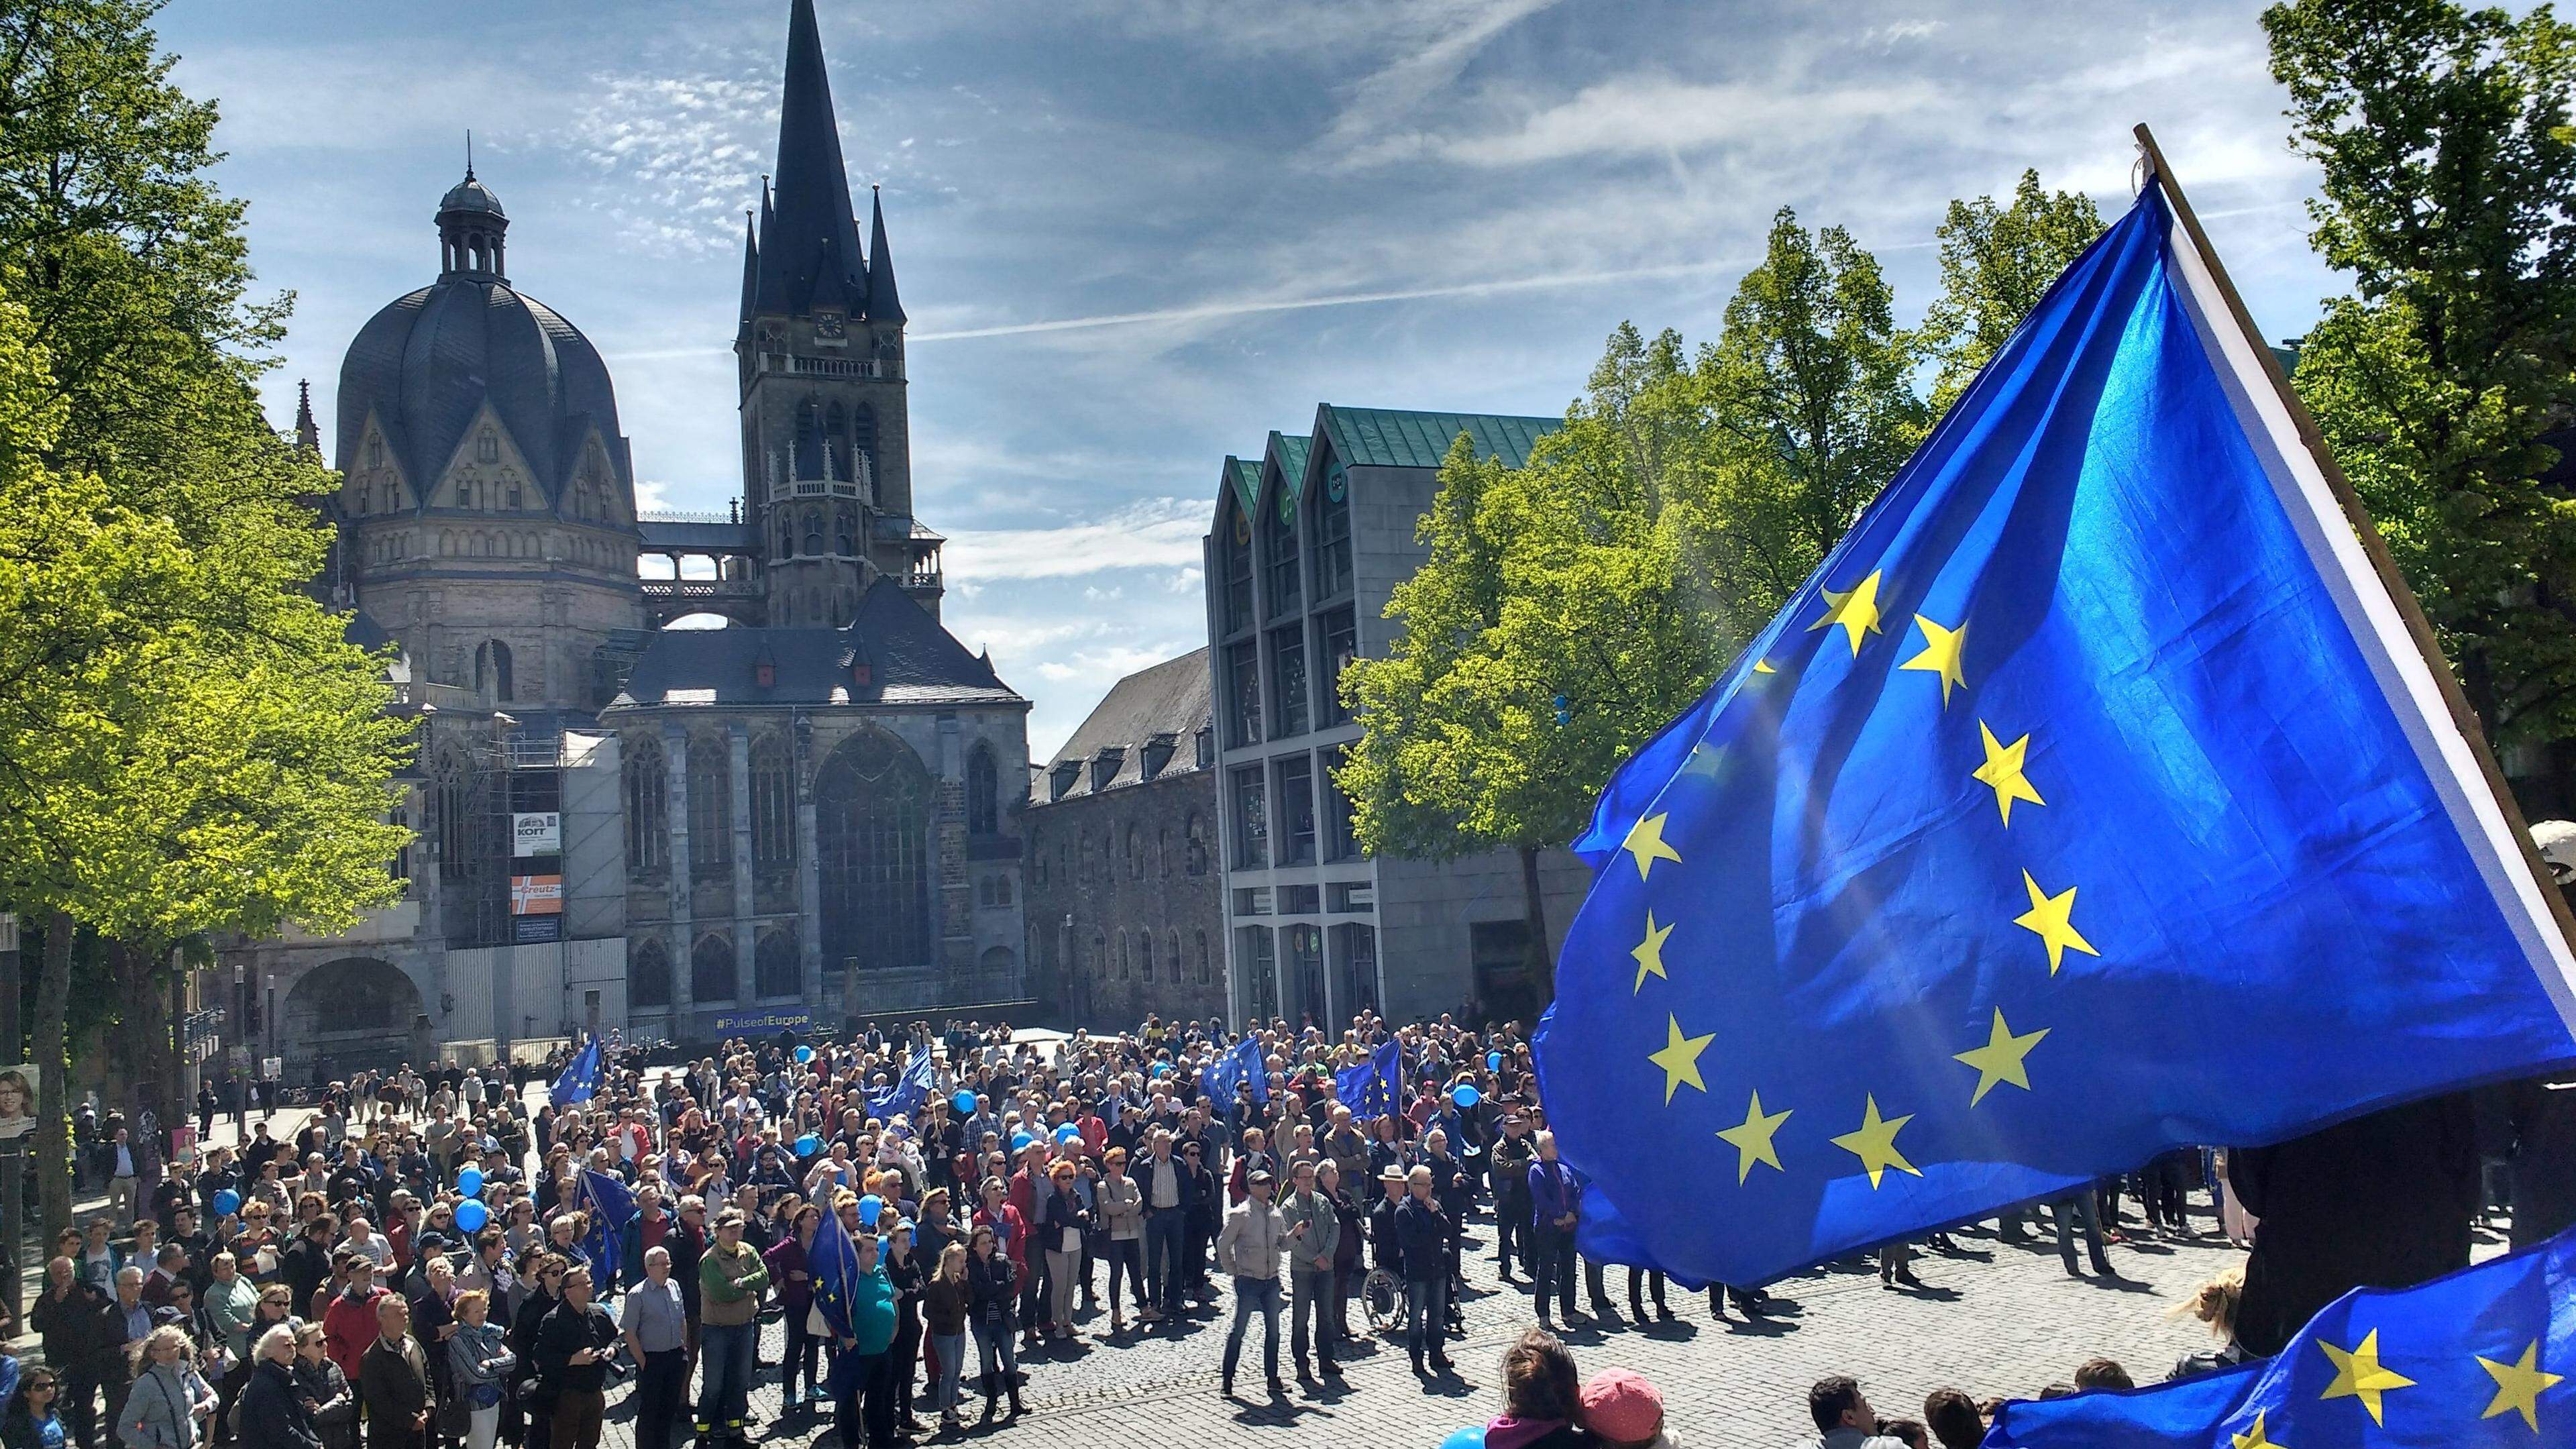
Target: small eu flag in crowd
580 1079
2479 1357
1241 1065
910 1092
2092 799
833 1260
1374 1087
612 1207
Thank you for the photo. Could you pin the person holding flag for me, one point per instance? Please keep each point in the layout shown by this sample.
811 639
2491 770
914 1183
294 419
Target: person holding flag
580 1079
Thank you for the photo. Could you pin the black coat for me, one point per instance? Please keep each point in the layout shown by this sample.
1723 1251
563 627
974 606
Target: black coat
273 1415
81 1331
2382 1201
1422 1241
395 1397
323 1391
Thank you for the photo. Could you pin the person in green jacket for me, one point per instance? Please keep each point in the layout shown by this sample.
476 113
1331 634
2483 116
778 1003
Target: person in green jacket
863 1369
731 1279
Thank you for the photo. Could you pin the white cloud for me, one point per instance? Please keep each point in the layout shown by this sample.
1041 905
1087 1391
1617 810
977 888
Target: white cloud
1152 533
1655 115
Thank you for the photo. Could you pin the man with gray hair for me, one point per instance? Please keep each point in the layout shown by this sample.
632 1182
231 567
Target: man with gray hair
656 1327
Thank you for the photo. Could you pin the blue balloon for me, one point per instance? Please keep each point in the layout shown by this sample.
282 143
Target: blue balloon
227 1202
1493 1061
804 1054
1471 1437
1020 1141
964 1102
471 1215
1466 1096
808 1145
871 1208
1067 1133
470 1182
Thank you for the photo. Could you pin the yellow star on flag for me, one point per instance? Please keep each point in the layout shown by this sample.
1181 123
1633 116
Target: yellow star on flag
1752 1139
2358 1375
1680 1058
2253 1438
1650 954
2519 1385
1940 656
2000 1059
1856 609
2002 771
1646 842
1874 1143
2052 918
1763 666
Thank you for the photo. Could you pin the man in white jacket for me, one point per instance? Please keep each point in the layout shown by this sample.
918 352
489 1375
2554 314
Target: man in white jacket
1249 1248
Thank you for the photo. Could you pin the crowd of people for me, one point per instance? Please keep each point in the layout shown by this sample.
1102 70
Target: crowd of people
431 1262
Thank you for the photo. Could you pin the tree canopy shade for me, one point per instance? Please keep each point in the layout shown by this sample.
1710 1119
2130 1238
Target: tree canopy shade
187 745
2447 156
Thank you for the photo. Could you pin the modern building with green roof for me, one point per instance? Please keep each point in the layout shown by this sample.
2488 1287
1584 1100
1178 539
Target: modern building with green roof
1309 540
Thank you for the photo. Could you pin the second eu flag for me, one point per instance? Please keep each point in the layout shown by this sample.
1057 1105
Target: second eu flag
2091 800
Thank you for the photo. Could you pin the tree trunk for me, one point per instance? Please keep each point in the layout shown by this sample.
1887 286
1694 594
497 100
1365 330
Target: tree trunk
53 1121
1534 915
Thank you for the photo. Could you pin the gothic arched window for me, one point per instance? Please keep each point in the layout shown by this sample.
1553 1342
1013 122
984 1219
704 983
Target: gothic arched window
773 806
648 802
813 531
1123 957
809 440
710 807
872 851
487 447
454 803
774 968
863 437
836 442
845 532
711 973
1203 958
1163 852
1197 845
648 976
983 806
1135 853
1173 958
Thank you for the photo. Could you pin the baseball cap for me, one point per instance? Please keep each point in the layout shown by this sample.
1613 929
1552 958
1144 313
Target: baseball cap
1260 1177
1621 1406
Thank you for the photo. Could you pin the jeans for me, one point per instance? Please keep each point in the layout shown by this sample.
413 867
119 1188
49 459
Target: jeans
2075 1213
661 1387
1310 1296
1064 1278
802 1351
865 1412
1255 1295
1425 1314
951 1348
1166 1235
482 1426
1127 1253
725 1356
998 1348
1551 1255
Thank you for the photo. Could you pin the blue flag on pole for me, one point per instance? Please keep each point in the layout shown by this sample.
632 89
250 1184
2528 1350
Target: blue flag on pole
1241 1064
833 1260
2483 1356
580 1079
2091 800
1373 1088
910 1092
612 1207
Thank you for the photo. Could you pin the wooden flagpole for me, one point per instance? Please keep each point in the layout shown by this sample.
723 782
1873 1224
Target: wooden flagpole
2419 628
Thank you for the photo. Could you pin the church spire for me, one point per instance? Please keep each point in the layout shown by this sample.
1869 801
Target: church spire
750 266
883 304
812 232
308 434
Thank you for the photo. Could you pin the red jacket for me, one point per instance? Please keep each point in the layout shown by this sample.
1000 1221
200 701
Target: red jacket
1011 1227
348 1326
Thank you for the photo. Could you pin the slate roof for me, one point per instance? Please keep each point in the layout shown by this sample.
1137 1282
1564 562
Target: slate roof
910 658
1387 438
1170 698
1245 475
1291 452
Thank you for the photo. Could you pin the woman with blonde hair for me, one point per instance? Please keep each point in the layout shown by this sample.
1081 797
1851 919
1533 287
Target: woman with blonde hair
2213 1303
170 1402
479 1361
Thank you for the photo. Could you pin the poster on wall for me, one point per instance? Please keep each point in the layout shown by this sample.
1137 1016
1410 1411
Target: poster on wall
536 832
536 895
17 1101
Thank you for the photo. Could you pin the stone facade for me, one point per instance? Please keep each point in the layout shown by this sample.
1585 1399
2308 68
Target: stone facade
1125 904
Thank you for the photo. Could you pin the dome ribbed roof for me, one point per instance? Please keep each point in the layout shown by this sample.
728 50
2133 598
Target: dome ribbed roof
471 195
426 363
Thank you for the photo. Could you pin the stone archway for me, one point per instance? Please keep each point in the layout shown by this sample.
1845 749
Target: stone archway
352 1013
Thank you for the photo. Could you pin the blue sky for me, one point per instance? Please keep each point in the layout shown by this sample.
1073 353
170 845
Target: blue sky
1136 235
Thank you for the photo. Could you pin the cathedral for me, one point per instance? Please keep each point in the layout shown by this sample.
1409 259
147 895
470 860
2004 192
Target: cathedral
805 816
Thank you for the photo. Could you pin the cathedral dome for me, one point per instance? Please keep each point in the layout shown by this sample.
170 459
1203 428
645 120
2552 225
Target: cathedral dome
430 361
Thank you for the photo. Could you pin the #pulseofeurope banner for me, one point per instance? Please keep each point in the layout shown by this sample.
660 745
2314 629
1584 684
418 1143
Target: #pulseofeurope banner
2091 800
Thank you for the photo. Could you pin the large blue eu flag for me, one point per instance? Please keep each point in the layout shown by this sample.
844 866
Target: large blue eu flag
2483 1356
2092 799
1373 1088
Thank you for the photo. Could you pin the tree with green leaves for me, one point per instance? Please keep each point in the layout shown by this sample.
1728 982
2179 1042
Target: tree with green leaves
1996 263
187 745
2448 159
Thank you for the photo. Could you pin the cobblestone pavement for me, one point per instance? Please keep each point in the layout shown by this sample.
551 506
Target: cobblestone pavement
1997 1320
